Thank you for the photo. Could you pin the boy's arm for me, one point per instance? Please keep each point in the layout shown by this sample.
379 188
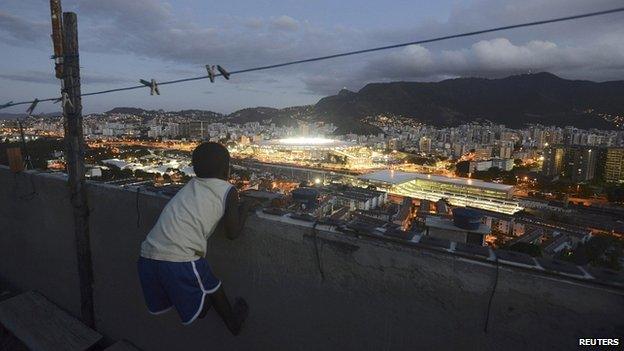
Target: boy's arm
235 215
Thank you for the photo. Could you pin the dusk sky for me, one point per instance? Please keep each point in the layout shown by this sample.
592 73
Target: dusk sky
122 41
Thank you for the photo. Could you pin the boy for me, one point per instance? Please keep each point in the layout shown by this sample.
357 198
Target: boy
172 268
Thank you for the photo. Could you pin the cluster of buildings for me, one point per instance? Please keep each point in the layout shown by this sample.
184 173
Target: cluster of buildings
363 183
373 212
486 141
581 163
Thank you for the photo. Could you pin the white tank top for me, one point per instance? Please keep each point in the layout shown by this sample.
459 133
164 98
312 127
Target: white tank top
187 221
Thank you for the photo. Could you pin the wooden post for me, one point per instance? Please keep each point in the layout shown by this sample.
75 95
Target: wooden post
16 162
74 156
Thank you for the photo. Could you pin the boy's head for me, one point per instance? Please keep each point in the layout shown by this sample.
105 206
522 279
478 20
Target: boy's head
211 160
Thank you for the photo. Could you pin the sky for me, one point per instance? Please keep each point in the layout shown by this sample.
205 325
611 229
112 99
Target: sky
122 41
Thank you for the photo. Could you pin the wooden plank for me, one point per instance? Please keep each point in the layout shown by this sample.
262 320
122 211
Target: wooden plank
42 326
121 345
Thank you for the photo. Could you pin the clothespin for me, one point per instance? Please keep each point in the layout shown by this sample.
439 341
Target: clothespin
6 105
64 100
211 72
152 85
223 72
30 110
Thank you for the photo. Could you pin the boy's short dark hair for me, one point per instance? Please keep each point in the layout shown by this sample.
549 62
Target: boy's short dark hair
211 160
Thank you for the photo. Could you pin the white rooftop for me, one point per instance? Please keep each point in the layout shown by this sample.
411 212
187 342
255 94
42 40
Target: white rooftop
397 177
319 143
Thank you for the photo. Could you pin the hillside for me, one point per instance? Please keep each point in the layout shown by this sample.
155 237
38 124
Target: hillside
196 114
514 101
284 116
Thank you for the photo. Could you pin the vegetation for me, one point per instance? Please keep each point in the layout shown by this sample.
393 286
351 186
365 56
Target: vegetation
600 251
421 160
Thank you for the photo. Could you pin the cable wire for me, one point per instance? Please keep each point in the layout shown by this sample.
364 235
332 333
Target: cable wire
489 305
350 53
317 252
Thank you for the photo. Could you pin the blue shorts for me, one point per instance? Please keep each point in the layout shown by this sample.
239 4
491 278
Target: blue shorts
183 285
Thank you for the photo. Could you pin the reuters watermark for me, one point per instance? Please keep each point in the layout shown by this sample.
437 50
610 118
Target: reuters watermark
599 342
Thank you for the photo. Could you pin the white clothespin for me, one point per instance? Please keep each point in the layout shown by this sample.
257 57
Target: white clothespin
30 109
211 72
223 72
64 100
6 105
152 85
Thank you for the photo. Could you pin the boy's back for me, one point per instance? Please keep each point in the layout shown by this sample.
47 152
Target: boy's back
172 269
187 221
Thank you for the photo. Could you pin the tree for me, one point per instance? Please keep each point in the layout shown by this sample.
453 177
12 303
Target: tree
462 168
600 251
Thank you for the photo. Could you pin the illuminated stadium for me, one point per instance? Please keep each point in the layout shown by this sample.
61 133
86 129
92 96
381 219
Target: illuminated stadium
306 144
458 191
311 150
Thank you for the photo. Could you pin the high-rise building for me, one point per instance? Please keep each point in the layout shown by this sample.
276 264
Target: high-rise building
304 129
578 163
505 149
483 153
424 144
195 130
613 168
581 163
553 161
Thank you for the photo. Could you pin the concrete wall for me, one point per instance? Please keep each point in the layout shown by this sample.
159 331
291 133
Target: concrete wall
371 295
37 248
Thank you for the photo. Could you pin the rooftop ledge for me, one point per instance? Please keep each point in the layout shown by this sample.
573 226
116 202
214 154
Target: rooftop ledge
478 254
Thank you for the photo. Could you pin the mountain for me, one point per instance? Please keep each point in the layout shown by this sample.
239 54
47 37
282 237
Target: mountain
514 101
196 114
127 110
11 116
284 116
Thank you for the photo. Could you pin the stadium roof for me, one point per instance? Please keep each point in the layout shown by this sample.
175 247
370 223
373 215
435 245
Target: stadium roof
301 142
397 177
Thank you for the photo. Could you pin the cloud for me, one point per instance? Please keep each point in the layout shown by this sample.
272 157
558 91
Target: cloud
42 77
497 57
587 49
150 29
591 49
253 23
19 31
285 23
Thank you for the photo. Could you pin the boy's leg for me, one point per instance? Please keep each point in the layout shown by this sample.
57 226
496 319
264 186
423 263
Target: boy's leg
232 316
205 309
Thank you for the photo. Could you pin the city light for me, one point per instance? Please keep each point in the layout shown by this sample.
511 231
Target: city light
306 141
